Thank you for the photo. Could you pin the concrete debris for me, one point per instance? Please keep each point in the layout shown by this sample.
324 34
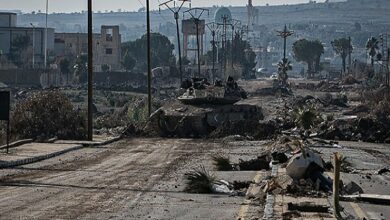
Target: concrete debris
307 207
383 171
299 163
279 157
222 187
260 163
352 188
370 198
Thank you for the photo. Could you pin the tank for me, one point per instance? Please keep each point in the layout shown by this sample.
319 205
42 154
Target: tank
203 107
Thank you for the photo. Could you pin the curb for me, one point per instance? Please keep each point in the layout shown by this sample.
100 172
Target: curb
16 143
104 142
15 163
37 158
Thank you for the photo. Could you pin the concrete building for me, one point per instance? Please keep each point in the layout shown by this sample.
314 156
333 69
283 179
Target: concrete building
106 47
9 31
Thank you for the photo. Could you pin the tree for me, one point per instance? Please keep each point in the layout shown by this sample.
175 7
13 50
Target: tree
309 52
372 48
80 69
65 68
342 47
105 68
241 54
162 51
128 62
18 46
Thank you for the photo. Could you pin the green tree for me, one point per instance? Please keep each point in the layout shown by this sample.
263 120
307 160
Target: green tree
241 54
372 48
81 68
18 45
105 68
128 61
65 68
342 47
309 52
161 53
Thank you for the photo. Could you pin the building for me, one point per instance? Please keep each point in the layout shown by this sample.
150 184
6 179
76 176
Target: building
9 32
106 47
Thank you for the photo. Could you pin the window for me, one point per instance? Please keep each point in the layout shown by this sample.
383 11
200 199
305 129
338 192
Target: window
109 34
108 50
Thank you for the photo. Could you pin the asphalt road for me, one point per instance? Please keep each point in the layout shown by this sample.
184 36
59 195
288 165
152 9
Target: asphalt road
130 179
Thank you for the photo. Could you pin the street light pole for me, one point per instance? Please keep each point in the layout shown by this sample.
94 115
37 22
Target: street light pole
47 11
33 46
90 72
176 16
213 27
149 58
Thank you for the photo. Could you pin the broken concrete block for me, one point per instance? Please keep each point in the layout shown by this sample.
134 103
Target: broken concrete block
352 188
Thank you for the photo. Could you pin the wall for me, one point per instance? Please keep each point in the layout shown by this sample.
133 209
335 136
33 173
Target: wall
21 77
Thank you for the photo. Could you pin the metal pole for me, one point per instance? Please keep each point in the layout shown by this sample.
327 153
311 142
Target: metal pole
90 71
350 56
47 11
33 46
179 46
213 77
336 182
8 135
232 46
197 44
284 53
149 58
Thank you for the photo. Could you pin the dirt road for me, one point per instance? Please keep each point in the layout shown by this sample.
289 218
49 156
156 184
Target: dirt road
130 179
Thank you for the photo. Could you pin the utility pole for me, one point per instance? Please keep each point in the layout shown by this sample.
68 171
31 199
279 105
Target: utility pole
33 46
47 11
285 34
149 58
196 19
225 22
90 71
350 56
213 27
45 52
285 64
175 12
234 24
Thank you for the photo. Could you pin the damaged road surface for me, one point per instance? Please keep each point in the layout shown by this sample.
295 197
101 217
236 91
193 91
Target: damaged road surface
130 179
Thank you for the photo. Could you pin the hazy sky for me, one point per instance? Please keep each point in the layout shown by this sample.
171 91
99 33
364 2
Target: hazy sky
128 5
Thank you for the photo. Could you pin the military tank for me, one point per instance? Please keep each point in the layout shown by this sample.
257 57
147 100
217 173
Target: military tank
203 107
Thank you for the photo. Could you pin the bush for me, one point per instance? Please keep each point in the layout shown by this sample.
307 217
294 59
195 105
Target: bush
222 163
306 117
199 180
44 115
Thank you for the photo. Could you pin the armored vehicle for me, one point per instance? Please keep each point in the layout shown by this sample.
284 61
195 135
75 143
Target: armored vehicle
204 107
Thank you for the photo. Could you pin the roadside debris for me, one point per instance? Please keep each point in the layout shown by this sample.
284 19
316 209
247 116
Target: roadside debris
222 163
199 180
307 207
260 163
383 171
352 188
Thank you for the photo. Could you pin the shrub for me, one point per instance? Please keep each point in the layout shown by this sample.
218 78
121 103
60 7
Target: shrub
199 180
222 163
44 115
306 117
